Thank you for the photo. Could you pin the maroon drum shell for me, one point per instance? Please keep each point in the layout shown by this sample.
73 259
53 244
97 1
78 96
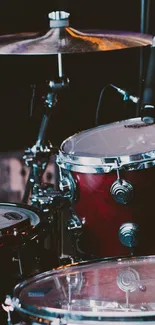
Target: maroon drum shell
100 214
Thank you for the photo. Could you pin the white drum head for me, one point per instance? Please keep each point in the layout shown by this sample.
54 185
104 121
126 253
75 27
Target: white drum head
117 139
120 290
127 141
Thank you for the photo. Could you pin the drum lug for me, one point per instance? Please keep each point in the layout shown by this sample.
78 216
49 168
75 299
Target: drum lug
128 280
75 281
67 186
121 190
128 234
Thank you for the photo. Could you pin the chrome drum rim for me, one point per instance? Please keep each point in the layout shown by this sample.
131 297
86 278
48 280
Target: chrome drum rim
100 165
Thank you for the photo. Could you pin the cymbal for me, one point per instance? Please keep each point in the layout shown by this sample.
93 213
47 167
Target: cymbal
69 40
16 37
63 39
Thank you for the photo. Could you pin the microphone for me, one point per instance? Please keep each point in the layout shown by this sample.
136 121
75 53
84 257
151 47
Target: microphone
126 94
148 99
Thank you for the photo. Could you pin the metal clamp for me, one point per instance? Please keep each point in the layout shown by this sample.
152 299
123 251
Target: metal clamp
129 234
74 225
67 186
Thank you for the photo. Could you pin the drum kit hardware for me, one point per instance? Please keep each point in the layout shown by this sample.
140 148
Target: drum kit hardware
103 198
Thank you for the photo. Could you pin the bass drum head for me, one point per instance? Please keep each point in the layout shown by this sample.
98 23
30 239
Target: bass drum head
108 290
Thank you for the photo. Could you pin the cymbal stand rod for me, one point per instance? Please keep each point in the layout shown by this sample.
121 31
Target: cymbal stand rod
44 123
60 65
56 167
144 29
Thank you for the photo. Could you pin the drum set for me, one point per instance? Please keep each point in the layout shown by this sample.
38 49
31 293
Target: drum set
103 196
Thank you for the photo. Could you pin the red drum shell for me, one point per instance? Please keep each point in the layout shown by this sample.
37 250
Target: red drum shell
102 216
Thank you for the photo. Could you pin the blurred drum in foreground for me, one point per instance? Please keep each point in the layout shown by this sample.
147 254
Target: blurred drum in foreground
103 291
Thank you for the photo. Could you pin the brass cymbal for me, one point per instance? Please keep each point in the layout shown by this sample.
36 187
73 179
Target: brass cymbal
63 39
70 40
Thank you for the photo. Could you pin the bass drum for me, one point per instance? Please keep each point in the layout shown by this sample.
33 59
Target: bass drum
22 251
112 168
101 292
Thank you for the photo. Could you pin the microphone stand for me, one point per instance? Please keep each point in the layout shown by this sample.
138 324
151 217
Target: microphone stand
38 156
144 29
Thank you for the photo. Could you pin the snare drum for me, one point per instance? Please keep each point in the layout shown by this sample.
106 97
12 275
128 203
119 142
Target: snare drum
103 291
112 168
22 252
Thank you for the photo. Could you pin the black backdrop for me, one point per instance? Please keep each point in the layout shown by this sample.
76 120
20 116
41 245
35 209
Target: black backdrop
88 73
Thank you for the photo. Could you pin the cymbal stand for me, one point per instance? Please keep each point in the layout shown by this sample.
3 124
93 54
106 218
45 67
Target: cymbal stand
49 201
38 156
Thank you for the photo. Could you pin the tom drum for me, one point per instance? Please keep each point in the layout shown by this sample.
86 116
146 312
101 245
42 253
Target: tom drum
111 175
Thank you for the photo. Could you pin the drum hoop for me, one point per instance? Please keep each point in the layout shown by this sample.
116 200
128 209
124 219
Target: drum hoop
53 314
57 316
100 165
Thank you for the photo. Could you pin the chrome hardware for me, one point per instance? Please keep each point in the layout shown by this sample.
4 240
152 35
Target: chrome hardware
142 288
19 263
127 280
144 307
67 186
74 225
15 231
37 159
38 155
8 307
47 198
128 234
121 190
59 19
18 260
67 259
75 281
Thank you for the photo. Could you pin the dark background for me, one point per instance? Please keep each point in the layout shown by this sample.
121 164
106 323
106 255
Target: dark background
88 73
